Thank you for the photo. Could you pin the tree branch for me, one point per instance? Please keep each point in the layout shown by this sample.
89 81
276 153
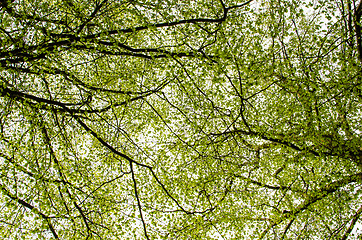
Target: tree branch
138 200
353 223
31 207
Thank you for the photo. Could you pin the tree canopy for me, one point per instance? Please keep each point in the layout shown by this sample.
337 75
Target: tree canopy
192 119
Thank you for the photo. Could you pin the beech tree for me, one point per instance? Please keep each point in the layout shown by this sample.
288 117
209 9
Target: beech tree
193 119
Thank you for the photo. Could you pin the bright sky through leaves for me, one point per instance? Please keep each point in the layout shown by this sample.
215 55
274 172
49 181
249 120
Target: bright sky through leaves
199 119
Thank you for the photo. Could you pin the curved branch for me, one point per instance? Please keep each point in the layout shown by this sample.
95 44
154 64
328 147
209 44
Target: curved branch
315 197
47 104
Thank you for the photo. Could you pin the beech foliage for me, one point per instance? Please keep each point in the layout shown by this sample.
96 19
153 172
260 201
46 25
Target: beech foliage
192 119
